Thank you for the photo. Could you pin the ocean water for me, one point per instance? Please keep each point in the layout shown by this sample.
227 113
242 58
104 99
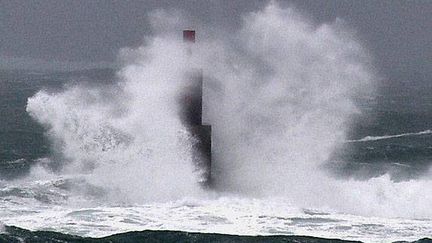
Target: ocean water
306 140
48 201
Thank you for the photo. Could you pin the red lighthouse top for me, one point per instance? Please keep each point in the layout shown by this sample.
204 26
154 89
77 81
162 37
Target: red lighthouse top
189 36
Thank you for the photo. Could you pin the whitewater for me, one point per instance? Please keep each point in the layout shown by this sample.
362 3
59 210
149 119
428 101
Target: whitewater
374 138
280 96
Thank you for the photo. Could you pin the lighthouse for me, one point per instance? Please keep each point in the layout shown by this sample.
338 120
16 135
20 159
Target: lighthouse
191 114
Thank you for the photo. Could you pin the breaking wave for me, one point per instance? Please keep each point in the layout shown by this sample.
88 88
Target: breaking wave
128 138
374 138
278 94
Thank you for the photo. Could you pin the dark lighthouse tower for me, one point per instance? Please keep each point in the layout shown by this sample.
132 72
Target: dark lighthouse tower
192 115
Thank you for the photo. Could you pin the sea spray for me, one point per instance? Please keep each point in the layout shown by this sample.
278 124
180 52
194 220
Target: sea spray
285 94
2 228
283 102
279 96
131 144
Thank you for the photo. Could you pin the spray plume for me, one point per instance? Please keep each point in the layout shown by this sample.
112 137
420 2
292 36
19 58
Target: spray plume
278 94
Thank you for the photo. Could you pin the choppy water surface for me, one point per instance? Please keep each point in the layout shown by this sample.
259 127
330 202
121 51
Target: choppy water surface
47 207
306 141
50 202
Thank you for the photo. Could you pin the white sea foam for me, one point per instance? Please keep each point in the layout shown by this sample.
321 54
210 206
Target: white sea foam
229 215
374 138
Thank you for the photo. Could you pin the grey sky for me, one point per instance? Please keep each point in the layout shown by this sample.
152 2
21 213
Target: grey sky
399 33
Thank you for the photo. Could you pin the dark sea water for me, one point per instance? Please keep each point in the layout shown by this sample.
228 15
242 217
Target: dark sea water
392 134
